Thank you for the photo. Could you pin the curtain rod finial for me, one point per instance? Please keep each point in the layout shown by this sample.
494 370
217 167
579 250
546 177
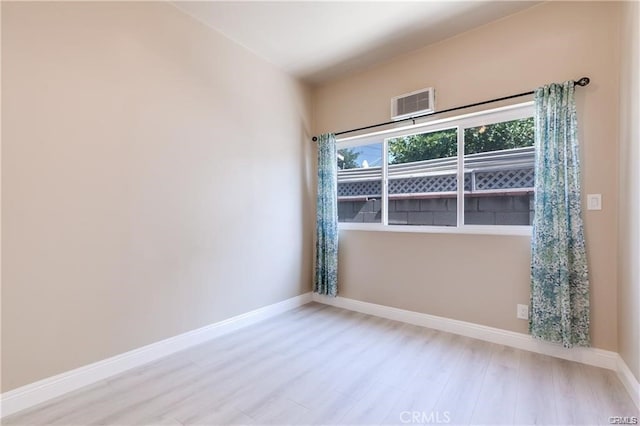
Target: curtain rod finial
583 81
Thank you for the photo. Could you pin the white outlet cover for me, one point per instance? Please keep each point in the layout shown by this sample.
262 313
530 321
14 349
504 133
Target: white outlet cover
594 201
522 311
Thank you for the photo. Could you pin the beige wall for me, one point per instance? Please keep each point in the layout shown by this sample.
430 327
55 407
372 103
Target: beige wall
628 227
482 278
152 177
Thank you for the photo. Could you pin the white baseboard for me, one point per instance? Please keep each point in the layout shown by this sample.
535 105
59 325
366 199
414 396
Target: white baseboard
629 381
591 356
35 393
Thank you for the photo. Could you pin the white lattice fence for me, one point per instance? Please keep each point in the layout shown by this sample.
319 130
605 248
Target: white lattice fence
473 181
504 179
363 188
425 184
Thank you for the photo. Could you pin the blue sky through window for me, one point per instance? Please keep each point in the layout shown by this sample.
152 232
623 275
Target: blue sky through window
368 155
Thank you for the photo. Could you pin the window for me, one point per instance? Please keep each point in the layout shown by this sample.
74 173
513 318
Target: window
467 173
498 167
360 183
422 176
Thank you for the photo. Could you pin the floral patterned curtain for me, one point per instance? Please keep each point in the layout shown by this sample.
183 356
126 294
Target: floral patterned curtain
559 279
326 262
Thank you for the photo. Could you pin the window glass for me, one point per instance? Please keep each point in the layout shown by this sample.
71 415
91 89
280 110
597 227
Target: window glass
499 173
360 183
423 181
422 176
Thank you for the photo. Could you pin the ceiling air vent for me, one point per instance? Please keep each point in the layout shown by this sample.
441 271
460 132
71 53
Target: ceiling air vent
412 104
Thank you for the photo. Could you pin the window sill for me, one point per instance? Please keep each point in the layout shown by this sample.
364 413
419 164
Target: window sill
466 229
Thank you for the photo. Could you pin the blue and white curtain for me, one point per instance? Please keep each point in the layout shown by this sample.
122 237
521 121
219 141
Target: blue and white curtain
559 279
326 262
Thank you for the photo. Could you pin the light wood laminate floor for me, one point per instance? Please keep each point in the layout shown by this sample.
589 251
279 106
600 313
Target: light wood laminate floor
322 365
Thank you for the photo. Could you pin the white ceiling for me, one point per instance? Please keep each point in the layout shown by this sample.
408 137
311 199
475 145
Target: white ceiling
321 40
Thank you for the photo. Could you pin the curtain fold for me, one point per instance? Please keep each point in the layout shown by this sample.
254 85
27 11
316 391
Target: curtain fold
559 309
326 260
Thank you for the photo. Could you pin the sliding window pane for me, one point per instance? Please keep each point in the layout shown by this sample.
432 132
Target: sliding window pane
360 183
423 179
499 173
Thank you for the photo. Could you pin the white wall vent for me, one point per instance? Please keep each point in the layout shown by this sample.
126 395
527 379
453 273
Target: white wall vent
412 104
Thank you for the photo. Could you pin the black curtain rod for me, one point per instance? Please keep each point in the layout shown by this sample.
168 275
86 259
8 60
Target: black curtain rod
581 82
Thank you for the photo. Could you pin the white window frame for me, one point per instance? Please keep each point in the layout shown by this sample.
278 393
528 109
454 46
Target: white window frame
461 122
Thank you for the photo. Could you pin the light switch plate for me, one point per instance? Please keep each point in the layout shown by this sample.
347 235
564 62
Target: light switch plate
594 201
